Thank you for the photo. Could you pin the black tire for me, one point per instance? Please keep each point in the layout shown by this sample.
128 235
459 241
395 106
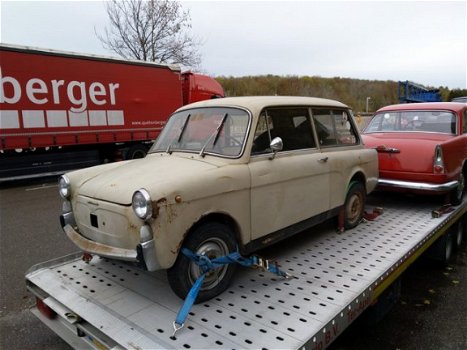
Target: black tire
136 152
214 240
442 249
354 206
445 248
458 193
458 233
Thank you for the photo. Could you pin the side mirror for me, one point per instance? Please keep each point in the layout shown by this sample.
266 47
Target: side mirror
276 145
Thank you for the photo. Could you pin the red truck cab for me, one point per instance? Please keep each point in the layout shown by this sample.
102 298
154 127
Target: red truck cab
198 87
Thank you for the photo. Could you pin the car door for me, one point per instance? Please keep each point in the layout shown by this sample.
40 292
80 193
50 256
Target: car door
294 185
340 146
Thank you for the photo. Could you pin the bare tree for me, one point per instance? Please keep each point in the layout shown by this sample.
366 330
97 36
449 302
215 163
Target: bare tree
151 31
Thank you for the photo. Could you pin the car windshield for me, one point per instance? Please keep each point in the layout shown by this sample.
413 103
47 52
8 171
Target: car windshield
219 131
417 121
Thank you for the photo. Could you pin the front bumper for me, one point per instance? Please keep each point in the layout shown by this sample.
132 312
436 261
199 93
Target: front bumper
144 253
418 186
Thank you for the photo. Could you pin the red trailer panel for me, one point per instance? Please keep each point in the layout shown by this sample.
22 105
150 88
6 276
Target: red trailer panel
62 111
46 98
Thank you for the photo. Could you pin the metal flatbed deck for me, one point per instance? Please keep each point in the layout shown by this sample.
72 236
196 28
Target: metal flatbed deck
336 277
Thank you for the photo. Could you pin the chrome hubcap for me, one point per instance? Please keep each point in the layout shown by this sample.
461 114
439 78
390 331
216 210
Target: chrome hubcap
211 248
354 207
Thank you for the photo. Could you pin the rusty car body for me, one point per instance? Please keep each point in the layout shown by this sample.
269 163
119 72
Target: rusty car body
226 174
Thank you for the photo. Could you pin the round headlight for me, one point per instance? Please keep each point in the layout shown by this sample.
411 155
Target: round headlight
141 204
64 187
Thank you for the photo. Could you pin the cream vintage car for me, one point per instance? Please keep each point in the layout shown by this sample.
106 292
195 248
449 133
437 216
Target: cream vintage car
225 174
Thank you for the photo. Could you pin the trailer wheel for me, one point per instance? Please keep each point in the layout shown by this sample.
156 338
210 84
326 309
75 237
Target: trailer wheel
354 206
136 152
448 246
458 192
212 240
459 232
442 249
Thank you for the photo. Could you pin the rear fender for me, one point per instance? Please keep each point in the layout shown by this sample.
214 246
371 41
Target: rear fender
453 150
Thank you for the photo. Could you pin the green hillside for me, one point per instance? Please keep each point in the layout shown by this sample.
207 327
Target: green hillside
353 92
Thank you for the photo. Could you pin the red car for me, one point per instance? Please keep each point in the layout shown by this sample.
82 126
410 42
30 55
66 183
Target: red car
422 147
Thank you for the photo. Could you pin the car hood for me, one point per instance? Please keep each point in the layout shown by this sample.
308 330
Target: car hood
117 183
406 152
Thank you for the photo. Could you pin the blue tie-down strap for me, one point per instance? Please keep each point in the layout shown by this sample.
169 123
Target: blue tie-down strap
207 265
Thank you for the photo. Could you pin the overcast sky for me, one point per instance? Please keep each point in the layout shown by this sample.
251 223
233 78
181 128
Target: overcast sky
425 42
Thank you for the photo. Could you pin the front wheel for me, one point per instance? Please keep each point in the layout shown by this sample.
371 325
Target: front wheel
212 240
354 206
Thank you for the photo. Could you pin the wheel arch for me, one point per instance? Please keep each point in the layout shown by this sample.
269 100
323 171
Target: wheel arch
221 218
358 176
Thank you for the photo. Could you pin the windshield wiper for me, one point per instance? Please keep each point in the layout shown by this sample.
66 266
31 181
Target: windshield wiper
215 134
179 138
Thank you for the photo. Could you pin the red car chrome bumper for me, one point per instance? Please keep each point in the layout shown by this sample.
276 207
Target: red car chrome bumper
418 186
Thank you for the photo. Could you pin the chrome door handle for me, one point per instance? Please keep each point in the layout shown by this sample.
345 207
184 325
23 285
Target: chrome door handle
324 160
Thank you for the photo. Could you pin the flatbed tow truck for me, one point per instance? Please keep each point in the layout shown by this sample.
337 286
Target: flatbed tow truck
105 304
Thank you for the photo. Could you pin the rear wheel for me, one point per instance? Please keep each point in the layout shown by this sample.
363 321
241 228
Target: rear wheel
354 205
212 240
457 193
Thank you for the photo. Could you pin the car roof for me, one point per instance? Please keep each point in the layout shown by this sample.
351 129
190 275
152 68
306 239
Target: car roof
453 106
257 103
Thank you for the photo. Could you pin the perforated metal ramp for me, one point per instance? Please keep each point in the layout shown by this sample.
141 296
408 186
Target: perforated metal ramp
336 276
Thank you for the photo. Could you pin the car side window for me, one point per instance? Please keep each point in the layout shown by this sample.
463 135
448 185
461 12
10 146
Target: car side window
292 125
334 128
345 131
262 137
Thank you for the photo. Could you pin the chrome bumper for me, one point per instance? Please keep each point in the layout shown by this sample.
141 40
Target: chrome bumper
99 248
143 254
418 186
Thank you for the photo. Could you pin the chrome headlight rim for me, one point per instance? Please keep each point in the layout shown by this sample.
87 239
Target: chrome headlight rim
141 204
64 187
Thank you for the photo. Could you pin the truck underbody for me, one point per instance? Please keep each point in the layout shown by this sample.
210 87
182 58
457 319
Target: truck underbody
33 163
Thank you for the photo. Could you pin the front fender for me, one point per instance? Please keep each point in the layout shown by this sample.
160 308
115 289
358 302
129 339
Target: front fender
175 221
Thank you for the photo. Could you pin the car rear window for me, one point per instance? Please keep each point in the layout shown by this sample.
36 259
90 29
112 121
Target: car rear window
413 121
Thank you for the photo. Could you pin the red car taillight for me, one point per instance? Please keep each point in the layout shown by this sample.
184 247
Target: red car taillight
44 309
438 163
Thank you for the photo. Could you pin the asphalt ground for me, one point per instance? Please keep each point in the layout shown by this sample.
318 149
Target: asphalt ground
431 313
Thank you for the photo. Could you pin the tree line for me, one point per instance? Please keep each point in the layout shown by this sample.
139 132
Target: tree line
352 92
